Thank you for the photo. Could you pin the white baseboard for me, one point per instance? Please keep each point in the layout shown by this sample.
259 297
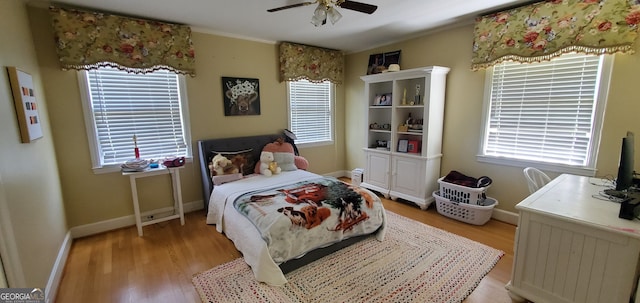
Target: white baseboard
338 174
505 216
111 224
55 277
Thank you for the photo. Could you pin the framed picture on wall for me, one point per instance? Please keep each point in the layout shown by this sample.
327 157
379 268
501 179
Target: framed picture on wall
241 96
379 63
26 106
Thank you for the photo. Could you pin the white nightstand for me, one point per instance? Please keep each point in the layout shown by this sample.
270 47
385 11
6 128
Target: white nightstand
177 194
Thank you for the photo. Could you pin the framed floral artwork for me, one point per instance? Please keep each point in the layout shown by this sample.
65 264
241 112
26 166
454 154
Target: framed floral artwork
26 106
241 96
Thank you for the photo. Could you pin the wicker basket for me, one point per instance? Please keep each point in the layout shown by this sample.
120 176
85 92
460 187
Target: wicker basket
468 213
463 194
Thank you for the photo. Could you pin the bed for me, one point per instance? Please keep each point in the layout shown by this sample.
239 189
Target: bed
304 208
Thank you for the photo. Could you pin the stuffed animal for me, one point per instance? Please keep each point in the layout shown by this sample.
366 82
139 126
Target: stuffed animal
238 162
283 153
273 167
267 163
221 165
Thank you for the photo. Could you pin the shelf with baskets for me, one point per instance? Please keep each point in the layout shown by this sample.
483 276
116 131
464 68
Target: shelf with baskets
404 116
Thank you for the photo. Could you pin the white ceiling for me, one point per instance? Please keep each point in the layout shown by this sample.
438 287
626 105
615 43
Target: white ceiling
395 20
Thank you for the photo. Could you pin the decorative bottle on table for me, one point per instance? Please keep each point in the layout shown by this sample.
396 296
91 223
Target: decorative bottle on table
135 147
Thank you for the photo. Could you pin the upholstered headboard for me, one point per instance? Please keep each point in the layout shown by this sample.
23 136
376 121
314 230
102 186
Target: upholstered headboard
205 148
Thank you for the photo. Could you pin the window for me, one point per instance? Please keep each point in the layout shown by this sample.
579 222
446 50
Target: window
311 111
546 114
119 105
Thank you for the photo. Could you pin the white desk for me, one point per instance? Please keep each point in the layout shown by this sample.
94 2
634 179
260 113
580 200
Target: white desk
177 194
572 247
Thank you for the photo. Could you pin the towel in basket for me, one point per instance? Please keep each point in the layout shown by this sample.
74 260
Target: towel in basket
459 178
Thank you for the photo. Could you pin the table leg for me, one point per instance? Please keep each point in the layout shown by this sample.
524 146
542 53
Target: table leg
136 206
177 193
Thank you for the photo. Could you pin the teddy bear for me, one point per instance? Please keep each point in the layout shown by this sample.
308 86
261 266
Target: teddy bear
267 166
221 165
238 162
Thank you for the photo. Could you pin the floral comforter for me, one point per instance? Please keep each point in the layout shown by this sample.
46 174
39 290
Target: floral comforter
297 218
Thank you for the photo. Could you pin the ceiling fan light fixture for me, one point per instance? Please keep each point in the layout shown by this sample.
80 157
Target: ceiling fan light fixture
316 22
319 17
334 15
320 12
327 9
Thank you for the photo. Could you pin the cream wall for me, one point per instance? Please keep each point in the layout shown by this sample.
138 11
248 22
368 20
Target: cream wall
32 216
91 198
463 110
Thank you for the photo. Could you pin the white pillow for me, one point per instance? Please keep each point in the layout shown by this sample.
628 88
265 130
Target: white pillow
285 161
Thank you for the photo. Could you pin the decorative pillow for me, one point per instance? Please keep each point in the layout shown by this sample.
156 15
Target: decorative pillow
301 162
283 154
241 160
285 161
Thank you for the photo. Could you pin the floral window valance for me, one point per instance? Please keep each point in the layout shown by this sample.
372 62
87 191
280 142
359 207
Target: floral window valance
548 29
315 64
89 40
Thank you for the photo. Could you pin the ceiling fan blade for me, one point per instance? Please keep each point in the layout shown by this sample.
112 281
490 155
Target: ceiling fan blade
359 6
290 6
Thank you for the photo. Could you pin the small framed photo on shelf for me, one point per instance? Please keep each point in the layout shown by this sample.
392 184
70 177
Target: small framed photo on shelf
403 146
382 100
413 146
376 100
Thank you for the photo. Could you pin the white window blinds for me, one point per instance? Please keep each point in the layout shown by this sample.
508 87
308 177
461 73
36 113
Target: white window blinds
145 105
310 111
544 111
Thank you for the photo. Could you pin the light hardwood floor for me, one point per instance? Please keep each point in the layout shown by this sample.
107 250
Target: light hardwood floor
119 266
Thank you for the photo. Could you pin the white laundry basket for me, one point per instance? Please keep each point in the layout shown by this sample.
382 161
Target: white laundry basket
468 213
464 194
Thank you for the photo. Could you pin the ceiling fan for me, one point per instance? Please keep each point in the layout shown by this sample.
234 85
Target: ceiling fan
326 8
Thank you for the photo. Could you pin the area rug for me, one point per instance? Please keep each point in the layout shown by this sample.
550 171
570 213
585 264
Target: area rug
414 263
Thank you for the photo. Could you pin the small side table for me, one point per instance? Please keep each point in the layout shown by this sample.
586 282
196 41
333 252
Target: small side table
177 194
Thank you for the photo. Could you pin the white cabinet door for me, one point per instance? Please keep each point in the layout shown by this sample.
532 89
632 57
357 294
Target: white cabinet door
377 172
407 178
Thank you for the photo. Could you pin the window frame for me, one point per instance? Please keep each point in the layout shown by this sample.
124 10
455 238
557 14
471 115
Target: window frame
589 169
90 125
331 101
